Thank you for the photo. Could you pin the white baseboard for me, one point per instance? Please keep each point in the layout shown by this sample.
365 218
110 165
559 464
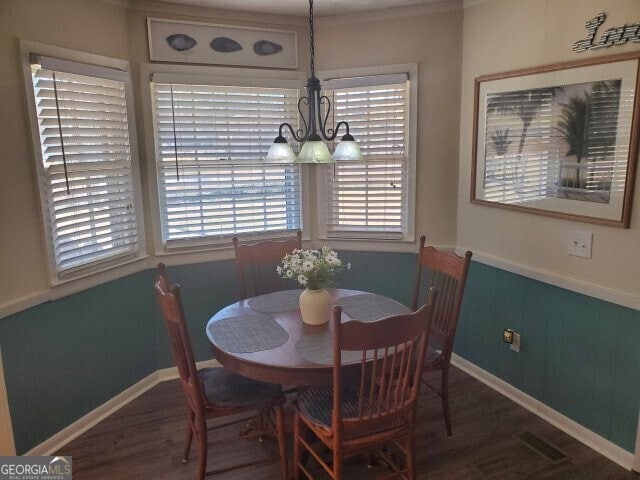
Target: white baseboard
580 433
171 373
80 426
77 428
594 441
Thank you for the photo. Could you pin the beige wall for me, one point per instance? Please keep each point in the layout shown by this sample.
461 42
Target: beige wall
503 35
428 36
94 26
431 37
89 26
499 35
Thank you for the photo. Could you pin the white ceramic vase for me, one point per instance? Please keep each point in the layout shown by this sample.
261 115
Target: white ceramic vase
315 306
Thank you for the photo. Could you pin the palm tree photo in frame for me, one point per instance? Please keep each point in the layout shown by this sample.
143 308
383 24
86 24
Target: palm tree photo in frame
559 140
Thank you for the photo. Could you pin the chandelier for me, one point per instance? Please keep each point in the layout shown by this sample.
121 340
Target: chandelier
314 132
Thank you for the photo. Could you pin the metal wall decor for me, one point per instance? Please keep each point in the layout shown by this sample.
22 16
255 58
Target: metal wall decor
612 36
192 42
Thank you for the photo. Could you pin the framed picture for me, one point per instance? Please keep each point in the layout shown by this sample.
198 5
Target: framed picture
559 140
205 43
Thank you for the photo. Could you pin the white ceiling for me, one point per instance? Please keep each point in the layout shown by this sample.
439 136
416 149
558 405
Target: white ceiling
301 7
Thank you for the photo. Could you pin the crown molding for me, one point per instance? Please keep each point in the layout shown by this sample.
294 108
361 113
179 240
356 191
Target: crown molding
118 3
433 7
205 14
471 3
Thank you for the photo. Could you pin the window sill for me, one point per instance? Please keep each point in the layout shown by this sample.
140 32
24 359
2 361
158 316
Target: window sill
404 245
181 252
220 243
61 287
374 238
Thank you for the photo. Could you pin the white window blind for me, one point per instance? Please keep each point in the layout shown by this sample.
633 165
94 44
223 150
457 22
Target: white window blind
369 198
554 142
518 160
210 143
85 169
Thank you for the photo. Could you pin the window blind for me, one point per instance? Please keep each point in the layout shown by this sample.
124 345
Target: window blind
368 198
86 174
210 144
554 142
610 112
518 158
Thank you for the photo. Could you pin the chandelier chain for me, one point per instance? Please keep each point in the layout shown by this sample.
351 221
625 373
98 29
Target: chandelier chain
313 131
313 51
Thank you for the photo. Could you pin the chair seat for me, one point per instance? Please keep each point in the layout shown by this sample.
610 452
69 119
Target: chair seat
228 389
433 357
316 405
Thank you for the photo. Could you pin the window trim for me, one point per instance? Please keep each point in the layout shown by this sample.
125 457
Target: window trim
408 236
27 49
226 76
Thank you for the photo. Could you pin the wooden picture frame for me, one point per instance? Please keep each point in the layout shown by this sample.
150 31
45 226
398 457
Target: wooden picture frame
180 41
559 140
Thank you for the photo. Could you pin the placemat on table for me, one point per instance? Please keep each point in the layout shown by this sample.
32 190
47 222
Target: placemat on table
248 333
283 301
368 307
318 348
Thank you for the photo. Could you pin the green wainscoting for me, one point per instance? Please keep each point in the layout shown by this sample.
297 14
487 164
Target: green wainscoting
64 358
390 274
205 289
579 355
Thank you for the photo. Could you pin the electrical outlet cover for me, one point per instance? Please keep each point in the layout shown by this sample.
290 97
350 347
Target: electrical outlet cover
515 346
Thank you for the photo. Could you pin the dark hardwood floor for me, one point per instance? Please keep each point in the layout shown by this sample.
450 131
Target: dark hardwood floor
144 440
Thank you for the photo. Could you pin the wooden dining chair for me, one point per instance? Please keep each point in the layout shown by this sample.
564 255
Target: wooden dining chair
447 272
256 264
216 392
377 406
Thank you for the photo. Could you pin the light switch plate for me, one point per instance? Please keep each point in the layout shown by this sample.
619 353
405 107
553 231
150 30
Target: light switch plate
579 244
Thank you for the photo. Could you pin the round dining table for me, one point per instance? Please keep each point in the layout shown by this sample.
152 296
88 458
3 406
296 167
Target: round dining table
264 337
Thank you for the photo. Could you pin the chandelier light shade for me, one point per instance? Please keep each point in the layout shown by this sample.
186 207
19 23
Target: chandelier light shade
281 152
347 149
314 132
314 151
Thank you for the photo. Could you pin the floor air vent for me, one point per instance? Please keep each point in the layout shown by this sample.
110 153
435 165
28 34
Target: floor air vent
541 447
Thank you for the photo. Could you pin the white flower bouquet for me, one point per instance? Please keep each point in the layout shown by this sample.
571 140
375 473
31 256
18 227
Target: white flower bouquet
312 269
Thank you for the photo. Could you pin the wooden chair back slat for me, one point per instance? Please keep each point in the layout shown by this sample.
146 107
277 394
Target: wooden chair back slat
389 379
447 273
201 407
256 265
443 310
171 305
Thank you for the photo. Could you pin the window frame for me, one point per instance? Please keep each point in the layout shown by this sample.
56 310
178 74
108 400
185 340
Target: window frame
408 235
85 60
199 250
